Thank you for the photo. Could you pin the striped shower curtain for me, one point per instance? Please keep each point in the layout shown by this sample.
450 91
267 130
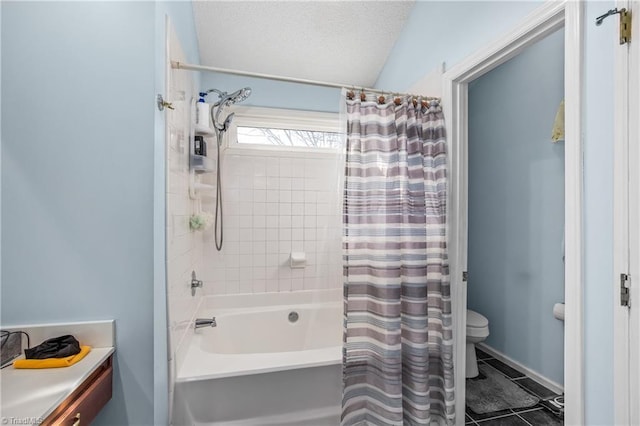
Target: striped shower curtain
398 342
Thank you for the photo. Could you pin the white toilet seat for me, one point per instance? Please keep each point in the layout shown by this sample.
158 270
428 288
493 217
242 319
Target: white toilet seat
477 325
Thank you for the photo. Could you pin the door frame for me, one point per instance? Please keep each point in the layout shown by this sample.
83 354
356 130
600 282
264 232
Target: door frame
626 231
545 20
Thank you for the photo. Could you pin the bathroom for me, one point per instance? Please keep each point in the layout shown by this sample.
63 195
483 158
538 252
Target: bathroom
85 233
272 214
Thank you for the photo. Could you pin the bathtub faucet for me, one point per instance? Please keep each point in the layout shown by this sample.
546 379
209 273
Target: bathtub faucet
205 322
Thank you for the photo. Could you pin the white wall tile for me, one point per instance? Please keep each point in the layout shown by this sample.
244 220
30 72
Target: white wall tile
273 286
285 208
185 248
297 184
259 182
285 195
274 206
297 221
273 182
272 222
272 209
245 286
284 221
297 196
273 168
297 234
297 209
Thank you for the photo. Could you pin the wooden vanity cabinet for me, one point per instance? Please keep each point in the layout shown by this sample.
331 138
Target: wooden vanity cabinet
84 404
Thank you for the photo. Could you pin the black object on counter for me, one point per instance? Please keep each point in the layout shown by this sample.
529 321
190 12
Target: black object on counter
57 347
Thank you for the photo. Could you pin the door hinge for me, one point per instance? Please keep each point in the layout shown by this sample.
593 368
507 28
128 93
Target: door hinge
625 23
465 276
625 26
625 282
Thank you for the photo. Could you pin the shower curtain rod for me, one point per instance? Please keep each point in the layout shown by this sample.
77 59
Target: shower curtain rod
194 67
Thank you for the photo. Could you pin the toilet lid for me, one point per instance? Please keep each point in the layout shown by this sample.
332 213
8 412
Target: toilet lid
475 319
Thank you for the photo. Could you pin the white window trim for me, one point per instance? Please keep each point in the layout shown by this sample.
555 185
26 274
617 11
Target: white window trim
279 118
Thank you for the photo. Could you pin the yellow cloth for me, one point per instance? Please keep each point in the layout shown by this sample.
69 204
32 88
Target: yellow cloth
52 362
557 134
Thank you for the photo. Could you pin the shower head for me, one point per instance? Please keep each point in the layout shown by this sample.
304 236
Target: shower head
231 98
240 95
224 100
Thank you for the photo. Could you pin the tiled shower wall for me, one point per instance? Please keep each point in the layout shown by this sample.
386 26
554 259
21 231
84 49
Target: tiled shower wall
184 247
274 205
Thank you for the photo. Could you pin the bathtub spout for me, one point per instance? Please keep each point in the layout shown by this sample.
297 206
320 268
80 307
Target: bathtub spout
205 322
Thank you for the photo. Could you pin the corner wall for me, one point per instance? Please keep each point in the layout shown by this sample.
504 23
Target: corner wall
83 180
77 170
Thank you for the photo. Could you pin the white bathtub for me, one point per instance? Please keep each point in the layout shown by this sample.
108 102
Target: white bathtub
258 368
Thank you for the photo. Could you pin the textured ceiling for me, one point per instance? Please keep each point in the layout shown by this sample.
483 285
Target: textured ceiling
337 41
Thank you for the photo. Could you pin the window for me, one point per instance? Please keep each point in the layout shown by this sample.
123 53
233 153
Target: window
287 137
284 130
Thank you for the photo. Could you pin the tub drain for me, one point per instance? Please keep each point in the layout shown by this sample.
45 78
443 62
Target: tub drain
293 316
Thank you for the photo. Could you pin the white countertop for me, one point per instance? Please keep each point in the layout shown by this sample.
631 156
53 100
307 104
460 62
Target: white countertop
29 395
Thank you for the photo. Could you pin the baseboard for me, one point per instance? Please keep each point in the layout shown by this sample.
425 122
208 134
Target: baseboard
550 384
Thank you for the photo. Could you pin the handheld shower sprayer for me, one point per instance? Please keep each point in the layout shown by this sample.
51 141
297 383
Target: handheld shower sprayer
224 99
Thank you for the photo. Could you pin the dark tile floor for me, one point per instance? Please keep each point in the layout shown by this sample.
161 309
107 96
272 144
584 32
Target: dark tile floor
545 413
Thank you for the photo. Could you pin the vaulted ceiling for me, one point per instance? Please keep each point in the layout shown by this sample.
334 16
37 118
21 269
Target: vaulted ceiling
345 42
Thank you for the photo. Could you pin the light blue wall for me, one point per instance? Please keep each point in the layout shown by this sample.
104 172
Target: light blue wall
77 168
446 31
276 94
481 23
516 206
83 180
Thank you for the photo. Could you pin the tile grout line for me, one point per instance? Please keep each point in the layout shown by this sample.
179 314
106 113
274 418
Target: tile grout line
523 419
494 418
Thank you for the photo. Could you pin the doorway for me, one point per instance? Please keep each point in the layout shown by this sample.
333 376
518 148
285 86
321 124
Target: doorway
515 238
544 21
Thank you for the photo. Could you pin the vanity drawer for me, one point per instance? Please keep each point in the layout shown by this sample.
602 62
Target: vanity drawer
84 405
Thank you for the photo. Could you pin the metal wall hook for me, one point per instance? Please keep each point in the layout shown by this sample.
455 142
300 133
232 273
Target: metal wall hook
615 11
162 104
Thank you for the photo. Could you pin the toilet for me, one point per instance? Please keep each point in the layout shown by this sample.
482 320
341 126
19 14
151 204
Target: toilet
477 331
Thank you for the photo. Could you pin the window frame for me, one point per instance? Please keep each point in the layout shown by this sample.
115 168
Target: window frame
280 118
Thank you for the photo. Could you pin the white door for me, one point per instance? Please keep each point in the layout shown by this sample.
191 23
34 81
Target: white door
634 211
627 225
